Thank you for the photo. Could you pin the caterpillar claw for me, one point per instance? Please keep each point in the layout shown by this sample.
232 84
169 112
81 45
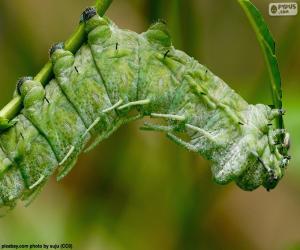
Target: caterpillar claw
287 141
281 111
277 112
99 31
88 13
271 180
56 47
285 161
21 81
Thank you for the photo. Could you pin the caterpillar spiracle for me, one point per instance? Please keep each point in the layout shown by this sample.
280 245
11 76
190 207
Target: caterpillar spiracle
94 91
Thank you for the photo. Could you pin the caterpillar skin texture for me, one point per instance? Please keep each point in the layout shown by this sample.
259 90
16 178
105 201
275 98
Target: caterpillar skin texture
115 73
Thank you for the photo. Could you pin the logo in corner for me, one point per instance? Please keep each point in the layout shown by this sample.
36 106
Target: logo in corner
283 9
273 9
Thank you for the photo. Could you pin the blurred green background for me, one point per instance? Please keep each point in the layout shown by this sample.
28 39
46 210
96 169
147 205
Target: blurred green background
137 190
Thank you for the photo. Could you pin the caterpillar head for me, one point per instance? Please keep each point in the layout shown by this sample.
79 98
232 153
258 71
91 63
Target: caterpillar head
269 157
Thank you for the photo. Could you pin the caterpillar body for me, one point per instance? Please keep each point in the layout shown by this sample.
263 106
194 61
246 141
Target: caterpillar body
117 72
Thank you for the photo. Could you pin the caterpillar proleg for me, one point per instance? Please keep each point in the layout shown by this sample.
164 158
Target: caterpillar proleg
114 72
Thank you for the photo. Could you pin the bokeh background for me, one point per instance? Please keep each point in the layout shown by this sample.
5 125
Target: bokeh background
137 190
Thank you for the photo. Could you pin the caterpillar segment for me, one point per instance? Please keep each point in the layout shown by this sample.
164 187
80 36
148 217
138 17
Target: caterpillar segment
116 72
115 53
26 161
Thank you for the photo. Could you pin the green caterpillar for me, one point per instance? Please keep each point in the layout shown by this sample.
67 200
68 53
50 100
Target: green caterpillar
116 73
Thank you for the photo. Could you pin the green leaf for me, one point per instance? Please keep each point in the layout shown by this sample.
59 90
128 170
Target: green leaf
267 44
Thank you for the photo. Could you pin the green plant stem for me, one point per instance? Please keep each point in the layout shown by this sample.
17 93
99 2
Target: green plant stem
72 44
267 44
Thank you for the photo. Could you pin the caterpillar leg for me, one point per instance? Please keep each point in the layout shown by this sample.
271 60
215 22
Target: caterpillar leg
136 103
275 113
38 182
91 127
181 142
82 85
104 136
168 116
157 128
108 133
67 163
202 132
113 107
29 197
